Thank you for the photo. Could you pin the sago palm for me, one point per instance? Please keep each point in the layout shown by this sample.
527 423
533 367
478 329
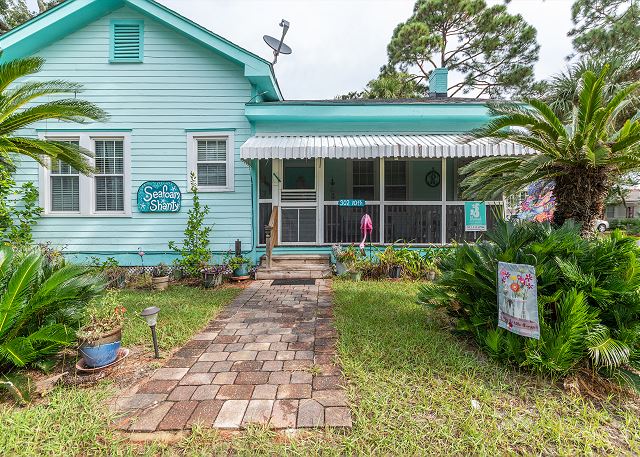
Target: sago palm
21 105
581 159
41 305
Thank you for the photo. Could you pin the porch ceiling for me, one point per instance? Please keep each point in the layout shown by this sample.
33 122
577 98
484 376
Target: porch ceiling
375 146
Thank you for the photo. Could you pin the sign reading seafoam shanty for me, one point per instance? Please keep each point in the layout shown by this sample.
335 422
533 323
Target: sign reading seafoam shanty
159 197
518 299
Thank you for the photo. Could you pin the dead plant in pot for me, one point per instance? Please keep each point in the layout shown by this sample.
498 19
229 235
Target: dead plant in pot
160 277
99 339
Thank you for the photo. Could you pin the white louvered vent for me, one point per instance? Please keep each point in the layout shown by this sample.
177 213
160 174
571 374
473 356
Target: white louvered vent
127 42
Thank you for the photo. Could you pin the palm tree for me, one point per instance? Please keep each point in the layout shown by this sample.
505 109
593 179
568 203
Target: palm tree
582 159
20 108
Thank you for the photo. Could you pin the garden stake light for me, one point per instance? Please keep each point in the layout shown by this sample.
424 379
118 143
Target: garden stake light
151 316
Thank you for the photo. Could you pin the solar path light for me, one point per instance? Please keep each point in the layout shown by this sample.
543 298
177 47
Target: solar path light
151 316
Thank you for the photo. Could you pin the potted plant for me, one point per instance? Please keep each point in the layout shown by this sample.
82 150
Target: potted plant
213 275
344 256
99 340
160 277
354 270
239 266
115 275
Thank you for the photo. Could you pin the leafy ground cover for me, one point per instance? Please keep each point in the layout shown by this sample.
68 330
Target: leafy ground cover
413 384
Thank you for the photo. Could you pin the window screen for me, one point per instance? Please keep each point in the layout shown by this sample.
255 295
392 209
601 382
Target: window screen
65 186
109 177
212 162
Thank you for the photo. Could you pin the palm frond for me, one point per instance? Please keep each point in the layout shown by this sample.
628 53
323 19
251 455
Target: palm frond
604 351
13 70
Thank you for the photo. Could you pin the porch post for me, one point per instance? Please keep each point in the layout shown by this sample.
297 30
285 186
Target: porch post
443 220
382 240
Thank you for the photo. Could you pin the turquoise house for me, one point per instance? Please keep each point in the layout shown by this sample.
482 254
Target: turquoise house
184 100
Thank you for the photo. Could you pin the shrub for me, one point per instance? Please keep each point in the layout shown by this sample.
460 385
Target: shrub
41 305
19 209
588 297
630 226
194 252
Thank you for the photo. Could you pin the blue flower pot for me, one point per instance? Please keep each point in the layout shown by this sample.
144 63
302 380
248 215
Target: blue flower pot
99 356
102 352
242 270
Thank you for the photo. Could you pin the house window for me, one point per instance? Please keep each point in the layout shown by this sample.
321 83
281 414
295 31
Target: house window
211 160
64 182
363 179
395 180
63 190
109 177
127 41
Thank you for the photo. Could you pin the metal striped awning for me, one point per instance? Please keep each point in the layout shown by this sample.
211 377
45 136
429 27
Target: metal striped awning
375 146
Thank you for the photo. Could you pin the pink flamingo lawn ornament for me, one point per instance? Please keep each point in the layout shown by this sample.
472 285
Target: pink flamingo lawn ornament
366 227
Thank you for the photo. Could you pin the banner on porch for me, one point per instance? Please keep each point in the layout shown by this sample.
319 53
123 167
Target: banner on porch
518 299
475 216
159 197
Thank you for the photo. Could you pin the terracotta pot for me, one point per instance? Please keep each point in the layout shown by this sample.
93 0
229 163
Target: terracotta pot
160 283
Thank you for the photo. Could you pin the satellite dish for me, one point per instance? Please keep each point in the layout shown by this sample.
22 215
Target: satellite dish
278 46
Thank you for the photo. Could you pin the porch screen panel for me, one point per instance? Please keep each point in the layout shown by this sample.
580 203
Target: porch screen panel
109 177
412 223
298 225
342 224
455 223
263 219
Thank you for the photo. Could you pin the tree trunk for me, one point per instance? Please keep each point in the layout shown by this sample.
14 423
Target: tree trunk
581 194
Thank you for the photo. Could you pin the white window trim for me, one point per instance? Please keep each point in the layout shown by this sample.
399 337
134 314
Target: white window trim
192 159
87 183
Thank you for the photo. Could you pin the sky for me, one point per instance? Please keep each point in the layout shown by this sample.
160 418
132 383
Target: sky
339 45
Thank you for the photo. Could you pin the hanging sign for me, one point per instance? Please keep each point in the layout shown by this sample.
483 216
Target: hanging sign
518 299
475 216
356 203
159 197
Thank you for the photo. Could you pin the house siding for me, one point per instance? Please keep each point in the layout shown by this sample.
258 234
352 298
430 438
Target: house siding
180 86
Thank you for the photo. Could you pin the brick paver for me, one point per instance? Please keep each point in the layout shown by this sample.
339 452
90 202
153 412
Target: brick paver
267 359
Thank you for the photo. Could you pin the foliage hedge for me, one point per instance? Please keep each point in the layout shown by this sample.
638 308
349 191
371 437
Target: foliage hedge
630 226
588 297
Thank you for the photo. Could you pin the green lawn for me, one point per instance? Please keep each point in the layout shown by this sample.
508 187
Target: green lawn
412 384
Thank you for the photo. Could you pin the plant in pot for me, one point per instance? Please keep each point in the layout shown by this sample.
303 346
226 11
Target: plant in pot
115 275
354 269
213 275
160 277
239 266
99 340
344 256
390 262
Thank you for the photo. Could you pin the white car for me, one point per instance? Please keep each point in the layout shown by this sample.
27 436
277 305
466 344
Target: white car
601 225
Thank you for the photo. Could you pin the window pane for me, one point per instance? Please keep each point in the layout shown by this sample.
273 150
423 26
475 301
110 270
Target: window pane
58 167
212 174
65 194
110 156
298 225
412 224
266 177
425 182
109 193
307 231
395 180
212 150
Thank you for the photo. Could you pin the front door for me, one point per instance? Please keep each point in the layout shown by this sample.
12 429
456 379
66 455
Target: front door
298 202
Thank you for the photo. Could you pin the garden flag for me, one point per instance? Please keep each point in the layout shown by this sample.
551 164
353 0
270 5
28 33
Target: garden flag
518 299
366 227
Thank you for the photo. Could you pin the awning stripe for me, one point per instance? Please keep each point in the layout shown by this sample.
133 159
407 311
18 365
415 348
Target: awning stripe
375 146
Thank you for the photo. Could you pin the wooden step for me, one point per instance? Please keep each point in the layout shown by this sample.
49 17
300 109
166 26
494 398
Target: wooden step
289 273
294 260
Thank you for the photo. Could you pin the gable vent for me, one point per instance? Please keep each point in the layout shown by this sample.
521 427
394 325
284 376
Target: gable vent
127 40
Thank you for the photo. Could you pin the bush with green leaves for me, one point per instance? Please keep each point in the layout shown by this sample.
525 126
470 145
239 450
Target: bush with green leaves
194 251
630 226
588 297
19 208
41 306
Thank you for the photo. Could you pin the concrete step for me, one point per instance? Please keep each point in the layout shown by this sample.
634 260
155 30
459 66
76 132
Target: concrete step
293 260
289 273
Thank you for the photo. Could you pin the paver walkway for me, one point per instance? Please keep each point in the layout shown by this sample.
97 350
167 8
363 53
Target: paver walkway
267 359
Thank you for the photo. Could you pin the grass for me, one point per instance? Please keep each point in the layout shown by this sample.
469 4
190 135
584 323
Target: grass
183 311
412 384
